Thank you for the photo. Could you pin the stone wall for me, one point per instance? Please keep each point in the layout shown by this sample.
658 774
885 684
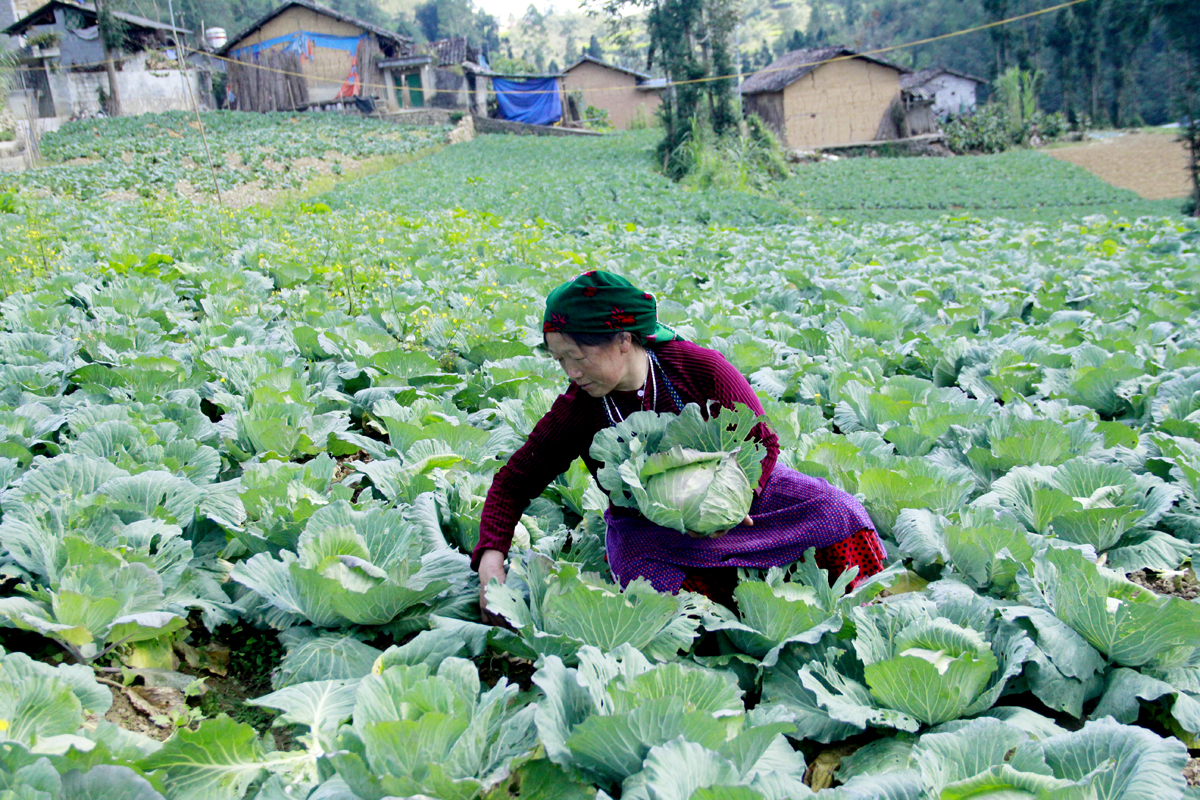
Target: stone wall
420 116
142 91
487 125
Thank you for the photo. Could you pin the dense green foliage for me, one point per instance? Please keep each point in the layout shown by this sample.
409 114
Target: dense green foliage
287 418
1022 184
150 153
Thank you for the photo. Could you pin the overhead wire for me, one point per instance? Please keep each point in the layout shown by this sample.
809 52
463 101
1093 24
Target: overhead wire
667 84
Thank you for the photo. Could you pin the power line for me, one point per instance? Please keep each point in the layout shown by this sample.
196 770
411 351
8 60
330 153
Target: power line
667 84
846 57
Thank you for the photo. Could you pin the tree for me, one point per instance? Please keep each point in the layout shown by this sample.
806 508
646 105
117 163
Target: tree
815 32
1088 32
1181 19
690 39
851 12
534 19
112 41
1127 29
426 15
441 19
765 56
1061 43
1001 34
366 10
594 49
570 47
487 28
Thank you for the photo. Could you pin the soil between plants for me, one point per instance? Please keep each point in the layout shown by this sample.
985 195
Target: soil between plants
1184 586
1152 164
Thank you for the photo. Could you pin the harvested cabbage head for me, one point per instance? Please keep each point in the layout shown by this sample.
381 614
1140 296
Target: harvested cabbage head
683 472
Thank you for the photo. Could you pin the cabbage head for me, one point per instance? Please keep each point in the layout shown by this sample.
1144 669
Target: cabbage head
683 471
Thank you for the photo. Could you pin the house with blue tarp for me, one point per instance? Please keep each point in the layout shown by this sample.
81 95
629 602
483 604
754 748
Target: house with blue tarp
532 99
304 55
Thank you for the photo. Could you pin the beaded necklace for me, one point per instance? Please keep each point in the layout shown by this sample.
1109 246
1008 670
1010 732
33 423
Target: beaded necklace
610 406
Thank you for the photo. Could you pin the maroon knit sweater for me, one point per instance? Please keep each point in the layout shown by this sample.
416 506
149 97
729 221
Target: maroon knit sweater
699 375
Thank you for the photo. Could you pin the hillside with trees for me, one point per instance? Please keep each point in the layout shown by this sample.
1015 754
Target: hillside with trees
1104 61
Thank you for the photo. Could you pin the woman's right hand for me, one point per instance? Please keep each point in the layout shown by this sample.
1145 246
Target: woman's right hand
491 565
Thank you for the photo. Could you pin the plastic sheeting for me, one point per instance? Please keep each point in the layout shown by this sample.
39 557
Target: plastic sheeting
533 100
302 43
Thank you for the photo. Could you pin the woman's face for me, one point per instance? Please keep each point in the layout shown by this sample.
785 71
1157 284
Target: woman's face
598 370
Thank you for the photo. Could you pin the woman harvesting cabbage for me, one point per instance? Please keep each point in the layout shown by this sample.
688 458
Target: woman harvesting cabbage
605 335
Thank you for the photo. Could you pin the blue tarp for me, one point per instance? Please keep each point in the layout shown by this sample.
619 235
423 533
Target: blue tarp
301 43
533 100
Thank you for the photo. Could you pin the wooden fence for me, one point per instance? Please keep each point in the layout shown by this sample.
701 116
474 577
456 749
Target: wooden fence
281 86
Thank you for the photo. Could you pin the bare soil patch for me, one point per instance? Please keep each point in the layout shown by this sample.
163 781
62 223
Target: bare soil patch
1152 164
1172 584
124 714
345 464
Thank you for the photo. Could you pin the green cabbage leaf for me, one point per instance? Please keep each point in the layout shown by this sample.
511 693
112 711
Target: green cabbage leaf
683 472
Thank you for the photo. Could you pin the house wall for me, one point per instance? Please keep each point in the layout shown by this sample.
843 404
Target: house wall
72 49
8 15
142 91
954 96
838 103
625 105
450 89
769 108
329 68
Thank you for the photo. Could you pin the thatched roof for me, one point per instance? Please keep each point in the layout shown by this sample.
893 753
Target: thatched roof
791 67
915 80
398 38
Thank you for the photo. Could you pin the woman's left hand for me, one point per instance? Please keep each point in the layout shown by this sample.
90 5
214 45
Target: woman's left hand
747 522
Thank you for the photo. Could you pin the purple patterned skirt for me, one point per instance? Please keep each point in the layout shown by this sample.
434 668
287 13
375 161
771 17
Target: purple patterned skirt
793 513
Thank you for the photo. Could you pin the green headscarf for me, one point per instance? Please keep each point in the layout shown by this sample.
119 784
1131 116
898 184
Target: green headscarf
599 302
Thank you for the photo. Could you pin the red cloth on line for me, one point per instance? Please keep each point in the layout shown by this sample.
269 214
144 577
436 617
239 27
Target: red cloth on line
565 433
862 550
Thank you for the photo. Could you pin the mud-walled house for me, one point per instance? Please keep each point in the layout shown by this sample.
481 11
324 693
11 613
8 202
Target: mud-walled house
305 55
824 97
629 98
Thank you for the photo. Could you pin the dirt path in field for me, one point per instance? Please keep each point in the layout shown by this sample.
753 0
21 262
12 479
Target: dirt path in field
1152 164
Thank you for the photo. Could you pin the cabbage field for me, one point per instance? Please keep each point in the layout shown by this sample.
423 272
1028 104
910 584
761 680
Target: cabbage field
256 443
